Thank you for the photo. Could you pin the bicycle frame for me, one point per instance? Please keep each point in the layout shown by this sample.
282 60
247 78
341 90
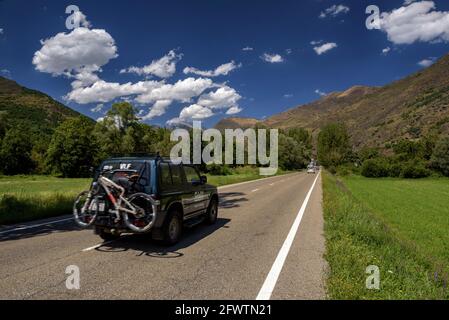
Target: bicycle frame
120 203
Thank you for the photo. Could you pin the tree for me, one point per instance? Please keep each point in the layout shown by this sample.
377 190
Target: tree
300 135
15 153
3 123
73 147
292 154
333 145
124 115
440 156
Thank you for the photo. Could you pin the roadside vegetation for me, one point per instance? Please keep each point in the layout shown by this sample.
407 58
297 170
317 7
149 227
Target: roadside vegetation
410 159
396 224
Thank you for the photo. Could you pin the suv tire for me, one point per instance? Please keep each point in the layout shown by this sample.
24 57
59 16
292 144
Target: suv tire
172 229
212 212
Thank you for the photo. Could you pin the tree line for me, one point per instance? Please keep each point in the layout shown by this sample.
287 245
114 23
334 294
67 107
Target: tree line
78 143
404 158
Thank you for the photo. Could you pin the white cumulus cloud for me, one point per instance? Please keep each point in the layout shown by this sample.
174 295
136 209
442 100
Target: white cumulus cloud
97 108
164 67
272 58
223 97
158 109
325 47
334 11
386 50
195 112
71 53
102 91
426 62
416 22
222 70
182 91
234 110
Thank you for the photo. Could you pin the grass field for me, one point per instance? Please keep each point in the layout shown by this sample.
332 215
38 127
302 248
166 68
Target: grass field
399 225
24 198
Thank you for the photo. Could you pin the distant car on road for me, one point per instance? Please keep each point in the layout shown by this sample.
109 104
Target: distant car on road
146 195
311 169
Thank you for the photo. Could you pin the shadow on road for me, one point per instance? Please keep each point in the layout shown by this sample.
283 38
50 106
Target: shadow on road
231 199
143 245
228 200
43 230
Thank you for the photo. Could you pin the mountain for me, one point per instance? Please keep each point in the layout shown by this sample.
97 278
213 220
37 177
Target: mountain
235 123
406 109
31 108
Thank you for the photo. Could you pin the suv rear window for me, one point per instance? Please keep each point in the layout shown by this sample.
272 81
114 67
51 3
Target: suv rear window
170 175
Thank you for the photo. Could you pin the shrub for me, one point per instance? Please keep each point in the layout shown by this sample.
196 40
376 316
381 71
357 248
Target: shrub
218 170
415 170
375 168
440 156
332 169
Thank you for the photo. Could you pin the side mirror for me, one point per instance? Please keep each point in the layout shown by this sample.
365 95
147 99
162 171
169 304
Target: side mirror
203 179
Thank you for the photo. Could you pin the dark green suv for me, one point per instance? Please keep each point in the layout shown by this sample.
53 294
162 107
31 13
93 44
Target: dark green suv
181 196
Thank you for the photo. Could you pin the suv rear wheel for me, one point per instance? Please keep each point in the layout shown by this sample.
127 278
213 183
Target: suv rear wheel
172 228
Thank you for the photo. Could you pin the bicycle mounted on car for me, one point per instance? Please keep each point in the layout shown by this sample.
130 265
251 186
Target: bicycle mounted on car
146 194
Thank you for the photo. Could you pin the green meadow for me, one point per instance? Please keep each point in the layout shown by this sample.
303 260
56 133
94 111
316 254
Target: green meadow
399 225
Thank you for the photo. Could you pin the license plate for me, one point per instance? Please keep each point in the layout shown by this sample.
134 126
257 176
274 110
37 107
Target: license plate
100 205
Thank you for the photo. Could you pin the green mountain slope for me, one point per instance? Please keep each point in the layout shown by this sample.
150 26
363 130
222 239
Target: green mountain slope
33 109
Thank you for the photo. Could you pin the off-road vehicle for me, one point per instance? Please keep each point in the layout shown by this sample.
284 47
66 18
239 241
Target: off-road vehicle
147 194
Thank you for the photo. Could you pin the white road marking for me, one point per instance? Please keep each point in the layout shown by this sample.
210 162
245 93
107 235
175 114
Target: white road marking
255 190
270 282
35 225
96 246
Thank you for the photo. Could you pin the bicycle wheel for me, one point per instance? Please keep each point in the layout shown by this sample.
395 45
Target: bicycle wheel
144 220
83 214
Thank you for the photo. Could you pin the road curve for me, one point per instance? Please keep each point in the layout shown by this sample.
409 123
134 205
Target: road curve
230 260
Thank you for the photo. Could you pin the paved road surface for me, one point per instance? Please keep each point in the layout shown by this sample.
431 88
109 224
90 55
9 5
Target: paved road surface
230 260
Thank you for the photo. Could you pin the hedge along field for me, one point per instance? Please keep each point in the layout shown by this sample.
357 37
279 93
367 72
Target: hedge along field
24 198
398 225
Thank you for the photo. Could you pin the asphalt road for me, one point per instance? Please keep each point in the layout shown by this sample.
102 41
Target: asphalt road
233 259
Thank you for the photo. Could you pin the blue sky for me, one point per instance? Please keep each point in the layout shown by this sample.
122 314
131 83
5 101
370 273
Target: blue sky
206 34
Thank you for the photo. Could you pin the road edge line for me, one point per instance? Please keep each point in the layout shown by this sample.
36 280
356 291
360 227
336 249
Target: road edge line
272 277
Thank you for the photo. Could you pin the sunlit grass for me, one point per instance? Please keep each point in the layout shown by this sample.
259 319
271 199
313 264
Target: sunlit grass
381 222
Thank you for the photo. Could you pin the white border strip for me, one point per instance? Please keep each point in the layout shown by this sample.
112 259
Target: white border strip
270 282
35 225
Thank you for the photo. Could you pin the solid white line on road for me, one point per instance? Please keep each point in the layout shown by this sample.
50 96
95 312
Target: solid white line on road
270 282
255 190
96 246
35 225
